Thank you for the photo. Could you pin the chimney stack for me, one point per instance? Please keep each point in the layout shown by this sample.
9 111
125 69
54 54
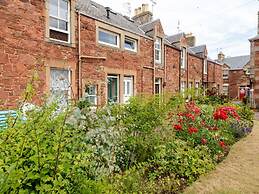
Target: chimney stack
221 56
191 40
143 15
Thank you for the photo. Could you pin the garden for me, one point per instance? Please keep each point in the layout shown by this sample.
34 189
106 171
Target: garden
153 144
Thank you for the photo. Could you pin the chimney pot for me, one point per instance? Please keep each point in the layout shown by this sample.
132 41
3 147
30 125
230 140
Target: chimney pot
108 10
143 15
258 24
145 7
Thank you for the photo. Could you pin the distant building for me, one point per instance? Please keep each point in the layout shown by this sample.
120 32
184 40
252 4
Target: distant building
236 74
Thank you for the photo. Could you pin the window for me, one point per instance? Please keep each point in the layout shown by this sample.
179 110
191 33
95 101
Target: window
225 89
158 50
190 85
130 44
225 73
183 86
60 85
183 58
197 85
59 24
91 94
158 86
128 88
113 89
108 38
205 66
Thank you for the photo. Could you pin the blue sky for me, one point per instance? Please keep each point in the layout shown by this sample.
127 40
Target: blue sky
220 24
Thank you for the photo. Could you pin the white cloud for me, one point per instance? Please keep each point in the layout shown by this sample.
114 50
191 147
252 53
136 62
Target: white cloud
217 23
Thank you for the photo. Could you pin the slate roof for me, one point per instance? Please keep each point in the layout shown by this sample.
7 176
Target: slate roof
175 38
97 11
238 62
198 49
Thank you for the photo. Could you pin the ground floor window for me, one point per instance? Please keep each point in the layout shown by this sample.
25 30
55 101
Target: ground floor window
158 86
128 88
91 94
183 86
197 85
113 88
225 90
60 85
190 85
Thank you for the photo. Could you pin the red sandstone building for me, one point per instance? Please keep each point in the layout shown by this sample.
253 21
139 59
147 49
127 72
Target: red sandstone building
82 49
236 75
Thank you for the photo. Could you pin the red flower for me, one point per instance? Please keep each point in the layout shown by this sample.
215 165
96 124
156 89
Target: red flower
178 127
204 141
220 115
192 130
222 144
190 116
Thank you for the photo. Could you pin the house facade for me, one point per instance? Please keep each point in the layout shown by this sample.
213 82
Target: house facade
81 49
236 75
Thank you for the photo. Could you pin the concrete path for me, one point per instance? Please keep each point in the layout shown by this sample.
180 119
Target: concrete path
238 174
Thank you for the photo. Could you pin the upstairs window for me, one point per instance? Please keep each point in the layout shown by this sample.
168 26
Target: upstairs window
183 58
109 38
225 73
59 25
130 44
205 66
158 50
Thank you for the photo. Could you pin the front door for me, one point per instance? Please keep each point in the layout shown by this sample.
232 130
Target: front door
128 88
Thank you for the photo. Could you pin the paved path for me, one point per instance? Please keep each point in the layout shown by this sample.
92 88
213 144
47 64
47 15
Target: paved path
238 174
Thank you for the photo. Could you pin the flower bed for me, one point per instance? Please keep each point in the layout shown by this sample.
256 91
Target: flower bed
150 145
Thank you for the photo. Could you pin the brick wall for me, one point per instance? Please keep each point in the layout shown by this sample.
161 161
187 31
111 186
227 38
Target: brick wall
23 48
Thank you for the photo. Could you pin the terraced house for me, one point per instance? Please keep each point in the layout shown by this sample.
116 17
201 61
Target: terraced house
83 49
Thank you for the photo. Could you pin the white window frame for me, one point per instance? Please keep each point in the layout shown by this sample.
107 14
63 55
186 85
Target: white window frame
158 43
131 40
197 85
183 58
69 97
183 86
205 67
92 95
225 76
158 81
118 87
111 33
68 32
225 85
128 79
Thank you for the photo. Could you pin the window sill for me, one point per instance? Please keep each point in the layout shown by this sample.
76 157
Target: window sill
160 66
56 42
108 46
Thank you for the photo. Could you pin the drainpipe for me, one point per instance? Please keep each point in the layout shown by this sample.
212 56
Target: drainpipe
165 72
154 66
180 71
79 58
187 63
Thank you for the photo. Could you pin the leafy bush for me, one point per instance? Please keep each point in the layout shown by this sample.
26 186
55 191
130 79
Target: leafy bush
150 145
42 154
